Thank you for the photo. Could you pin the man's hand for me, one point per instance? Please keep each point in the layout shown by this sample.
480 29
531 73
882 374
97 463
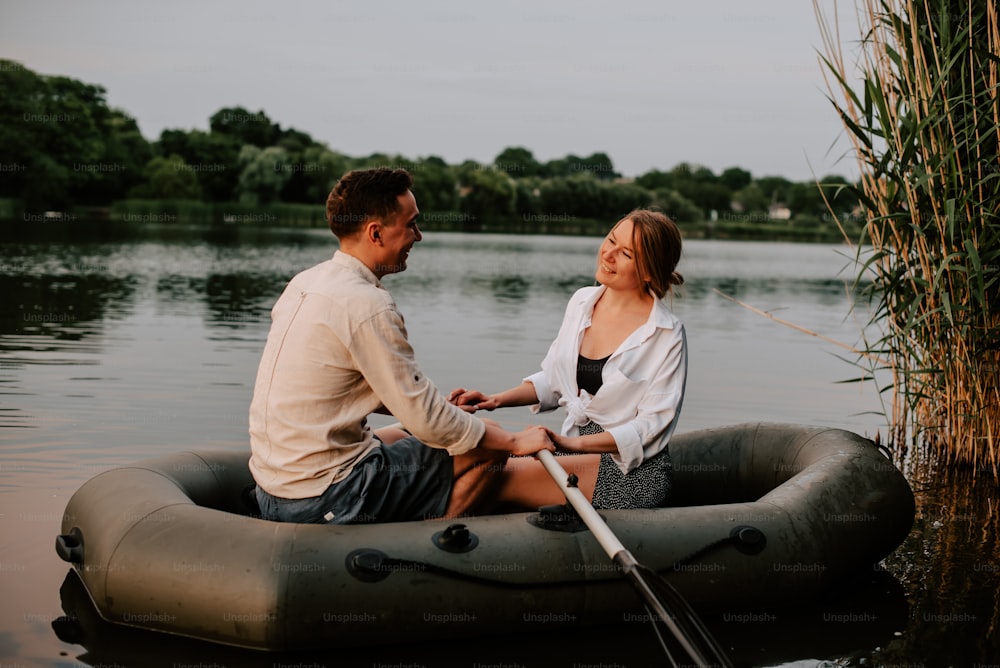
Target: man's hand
472 400
516 443
531 440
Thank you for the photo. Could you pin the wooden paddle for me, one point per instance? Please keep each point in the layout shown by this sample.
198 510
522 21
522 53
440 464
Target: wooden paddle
663 602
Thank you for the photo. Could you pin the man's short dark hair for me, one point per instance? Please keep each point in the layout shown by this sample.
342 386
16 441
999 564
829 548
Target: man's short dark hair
364 194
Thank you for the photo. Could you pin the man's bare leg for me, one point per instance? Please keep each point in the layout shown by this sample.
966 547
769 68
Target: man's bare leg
477 475
390 435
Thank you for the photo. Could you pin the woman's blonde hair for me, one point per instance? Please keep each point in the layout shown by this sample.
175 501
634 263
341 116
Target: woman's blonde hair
656 241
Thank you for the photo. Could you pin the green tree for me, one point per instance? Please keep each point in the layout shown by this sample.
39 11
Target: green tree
381 160
487 193
735 178
775 188
465 170
245 127
126 152
293 140
575 195
21 91
213 157
435 185
528 196
695 183
312 168
518 162
751 199
617 199
294 144
260 182
655 179
708 196
678 207
598 164
168 178
805 198
322 169
567 166
64 144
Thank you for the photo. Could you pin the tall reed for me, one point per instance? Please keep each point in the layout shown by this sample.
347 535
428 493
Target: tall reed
919 101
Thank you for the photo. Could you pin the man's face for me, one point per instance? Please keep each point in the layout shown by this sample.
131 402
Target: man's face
398 236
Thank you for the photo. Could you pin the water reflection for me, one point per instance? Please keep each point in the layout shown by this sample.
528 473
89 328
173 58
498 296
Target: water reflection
950 567
231 301
169 323
825 292
867 611
89 232
60 307
510 288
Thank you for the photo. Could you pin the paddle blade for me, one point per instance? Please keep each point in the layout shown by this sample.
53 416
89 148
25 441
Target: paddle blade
668 610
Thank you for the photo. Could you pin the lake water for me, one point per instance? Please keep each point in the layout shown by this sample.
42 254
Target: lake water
118 344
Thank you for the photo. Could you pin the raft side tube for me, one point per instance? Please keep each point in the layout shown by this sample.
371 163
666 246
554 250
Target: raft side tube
169 544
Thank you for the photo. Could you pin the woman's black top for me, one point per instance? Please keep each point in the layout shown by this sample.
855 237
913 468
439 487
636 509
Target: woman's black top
588 373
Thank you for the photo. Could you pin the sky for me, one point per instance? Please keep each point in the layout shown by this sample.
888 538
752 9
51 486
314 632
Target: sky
652 83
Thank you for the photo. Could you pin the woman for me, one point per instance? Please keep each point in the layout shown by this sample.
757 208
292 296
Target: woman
618 366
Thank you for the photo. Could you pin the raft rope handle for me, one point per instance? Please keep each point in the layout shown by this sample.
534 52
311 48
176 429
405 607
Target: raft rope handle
737 537
747 539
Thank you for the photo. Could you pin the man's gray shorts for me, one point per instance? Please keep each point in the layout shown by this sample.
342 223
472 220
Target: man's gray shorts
400 482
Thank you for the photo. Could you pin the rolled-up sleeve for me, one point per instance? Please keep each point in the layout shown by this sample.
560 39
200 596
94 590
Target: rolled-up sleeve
657 410
552 380
548 398
385 358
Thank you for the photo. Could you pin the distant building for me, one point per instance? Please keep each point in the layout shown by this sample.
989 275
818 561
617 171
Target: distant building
779 212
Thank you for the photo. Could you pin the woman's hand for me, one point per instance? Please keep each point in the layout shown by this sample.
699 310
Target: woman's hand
570 444
579 445
472 400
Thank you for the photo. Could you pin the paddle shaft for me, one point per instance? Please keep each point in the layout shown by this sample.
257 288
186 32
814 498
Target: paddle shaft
621 556
602 532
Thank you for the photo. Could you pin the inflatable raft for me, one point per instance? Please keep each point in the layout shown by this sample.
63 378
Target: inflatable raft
762 515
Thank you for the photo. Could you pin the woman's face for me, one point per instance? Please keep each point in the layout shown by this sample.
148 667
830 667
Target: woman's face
616 266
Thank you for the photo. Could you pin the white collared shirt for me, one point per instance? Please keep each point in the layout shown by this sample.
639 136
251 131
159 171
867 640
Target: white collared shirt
337 351
643 381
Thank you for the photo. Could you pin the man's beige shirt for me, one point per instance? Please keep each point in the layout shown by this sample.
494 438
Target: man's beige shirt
337 351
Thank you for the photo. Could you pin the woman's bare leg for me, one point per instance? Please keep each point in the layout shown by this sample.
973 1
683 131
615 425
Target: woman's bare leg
527 485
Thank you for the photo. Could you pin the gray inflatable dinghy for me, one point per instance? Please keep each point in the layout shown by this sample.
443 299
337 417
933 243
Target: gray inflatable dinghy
762 515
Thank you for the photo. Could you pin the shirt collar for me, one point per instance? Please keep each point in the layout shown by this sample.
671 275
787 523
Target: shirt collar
661 316
353 264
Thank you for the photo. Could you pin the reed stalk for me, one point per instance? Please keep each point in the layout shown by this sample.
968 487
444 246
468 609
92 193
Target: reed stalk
919 101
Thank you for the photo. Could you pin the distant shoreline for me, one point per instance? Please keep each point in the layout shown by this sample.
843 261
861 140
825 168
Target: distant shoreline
702 230
750 227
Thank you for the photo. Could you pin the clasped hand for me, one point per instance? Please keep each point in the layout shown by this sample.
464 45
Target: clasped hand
474 400
471 401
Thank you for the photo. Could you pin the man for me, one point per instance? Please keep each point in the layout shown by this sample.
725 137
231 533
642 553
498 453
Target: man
337 351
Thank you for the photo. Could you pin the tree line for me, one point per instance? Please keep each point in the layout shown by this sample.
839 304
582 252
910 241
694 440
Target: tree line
61 145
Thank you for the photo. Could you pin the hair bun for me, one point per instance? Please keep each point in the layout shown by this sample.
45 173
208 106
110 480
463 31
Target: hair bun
676 278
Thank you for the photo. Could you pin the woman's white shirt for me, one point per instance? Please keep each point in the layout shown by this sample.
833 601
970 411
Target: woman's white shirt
642 382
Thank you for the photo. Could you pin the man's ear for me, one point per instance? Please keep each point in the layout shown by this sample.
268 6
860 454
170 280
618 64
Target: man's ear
373 231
